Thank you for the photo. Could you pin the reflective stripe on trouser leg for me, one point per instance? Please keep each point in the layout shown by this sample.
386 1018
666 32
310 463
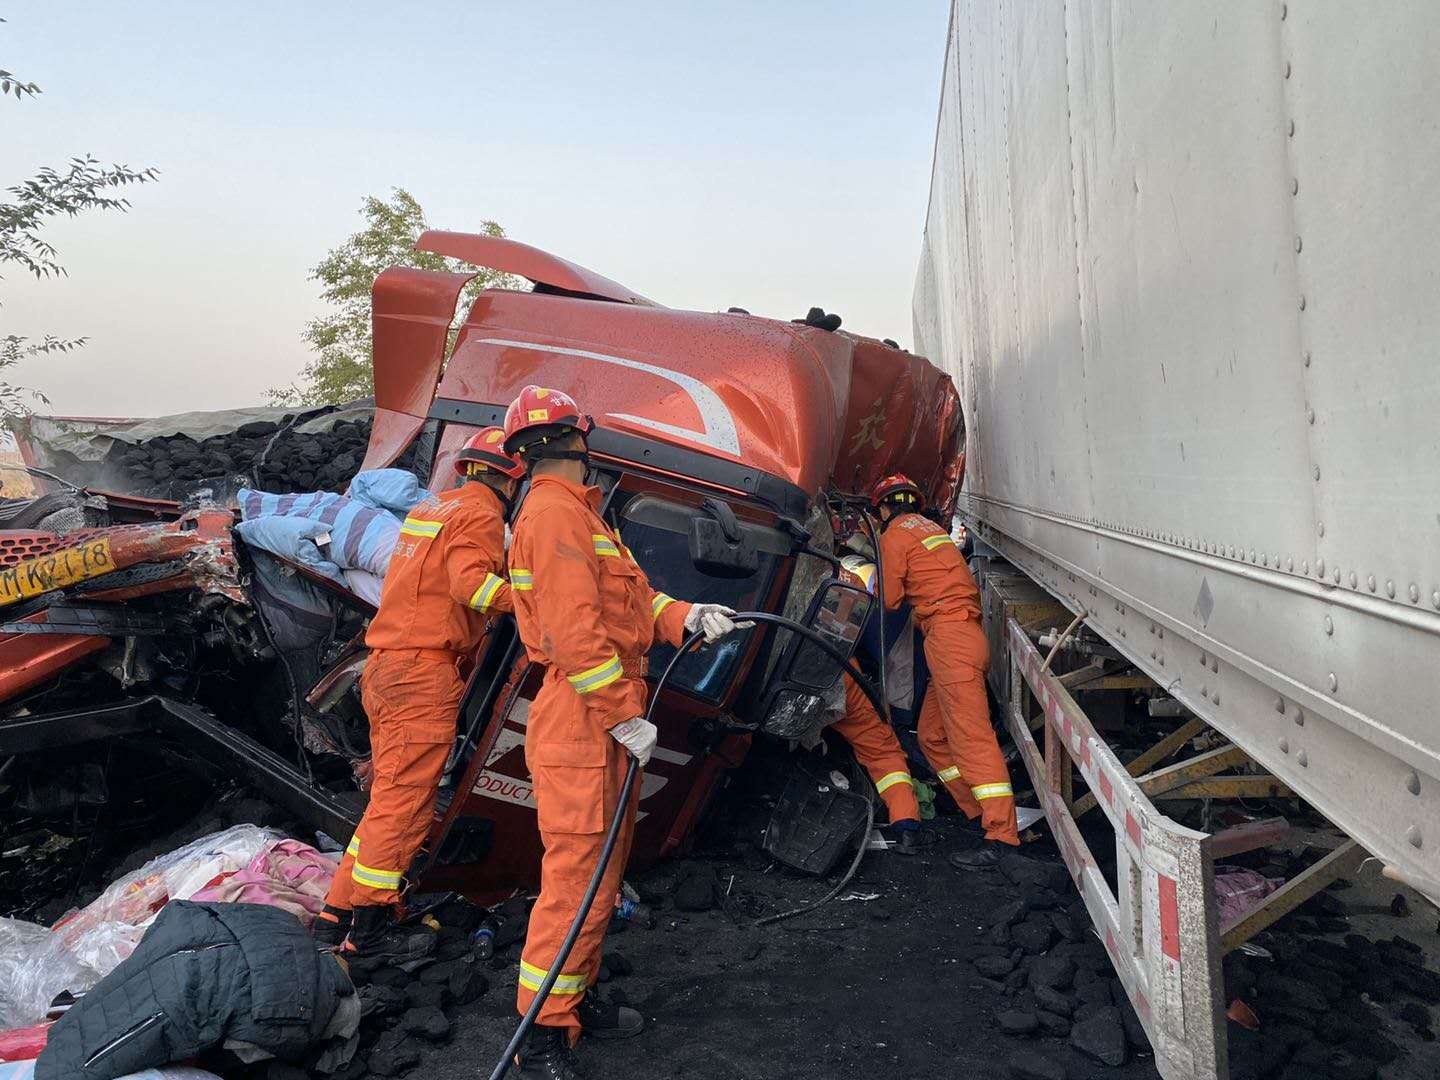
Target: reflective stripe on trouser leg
341 894
531 978
880 752
966 713
411 705
931 732
565 869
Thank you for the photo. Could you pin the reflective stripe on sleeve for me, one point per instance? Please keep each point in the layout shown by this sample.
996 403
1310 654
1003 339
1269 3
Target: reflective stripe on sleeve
660 603
531 977
354 848
375 879
952 773
930 543
991 791
521 580
605 546
889 780
484 596
420 527
601 675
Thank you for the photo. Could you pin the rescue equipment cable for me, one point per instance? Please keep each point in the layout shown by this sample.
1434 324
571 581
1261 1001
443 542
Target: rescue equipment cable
612 835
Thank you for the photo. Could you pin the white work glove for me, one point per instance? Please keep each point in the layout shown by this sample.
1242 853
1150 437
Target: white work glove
638 736
715 620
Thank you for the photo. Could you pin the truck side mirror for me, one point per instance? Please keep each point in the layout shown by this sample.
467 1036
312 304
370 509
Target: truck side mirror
718 546
806 672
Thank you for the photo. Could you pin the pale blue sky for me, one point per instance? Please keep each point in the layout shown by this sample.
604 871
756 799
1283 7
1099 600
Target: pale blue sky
768 155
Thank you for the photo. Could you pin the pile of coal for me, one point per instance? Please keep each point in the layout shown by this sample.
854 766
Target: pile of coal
1325 1007
279 456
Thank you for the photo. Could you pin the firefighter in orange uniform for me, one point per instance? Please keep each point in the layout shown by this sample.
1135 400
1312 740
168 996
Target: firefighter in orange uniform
875 746
444 582
922 567
881 755
586 612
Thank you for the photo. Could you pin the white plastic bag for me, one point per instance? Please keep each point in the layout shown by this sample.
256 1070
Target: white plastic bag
34 967
107 930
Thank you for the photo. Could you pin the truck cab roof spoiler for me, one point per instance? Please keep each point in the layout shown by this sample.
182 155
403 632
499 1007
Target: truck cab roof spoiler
513 257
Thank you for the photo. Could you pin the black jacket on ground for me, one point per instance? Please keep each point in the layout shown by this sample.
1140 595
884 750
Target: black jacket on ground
203 973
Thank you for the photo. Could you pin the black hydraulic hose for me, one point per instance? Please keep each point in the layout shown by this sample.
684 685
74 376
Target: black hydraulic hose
612 835
880 598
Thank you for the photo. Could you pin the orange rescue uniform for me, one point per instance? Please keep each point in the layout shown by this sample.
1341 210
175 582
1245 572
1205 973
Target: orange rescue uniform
585 611
879 752
443 584
924 568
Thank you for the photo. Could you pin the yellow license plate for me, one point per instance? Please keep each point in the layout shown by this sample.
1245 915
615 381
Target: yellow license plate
57 570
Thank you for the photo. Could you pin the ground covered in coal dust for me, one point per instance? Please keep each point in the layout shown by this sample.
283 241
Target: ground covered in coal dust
884 986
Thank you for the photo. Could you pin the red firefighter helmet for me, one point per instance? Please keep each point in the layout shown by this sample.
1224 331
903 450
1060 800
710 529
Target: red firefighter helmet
538 415
897 488
484 451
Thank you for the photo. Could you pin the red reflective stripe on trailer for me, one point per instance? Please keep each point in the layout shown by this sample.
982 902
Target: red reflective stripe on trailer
1169 918
1107 792
1142 1005
1085 755
1132 830
1069 727
1110 941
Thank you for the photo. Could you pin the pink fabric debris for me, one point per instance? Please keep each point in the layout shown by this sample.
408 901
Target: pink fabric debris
1238 890
287 874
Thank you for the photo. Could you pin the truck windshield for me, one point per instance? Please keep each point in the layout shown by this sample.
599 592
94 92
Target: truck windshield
657 531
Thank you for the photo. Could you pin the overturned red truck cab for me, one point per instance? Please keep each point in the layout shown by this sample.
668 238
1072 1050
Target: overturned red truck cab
723 443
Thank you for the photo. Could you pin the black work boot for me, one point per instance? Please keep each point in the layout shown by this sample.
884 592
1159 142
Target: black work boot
984 857
546 1055
605 1020
912 841
375 941
331 926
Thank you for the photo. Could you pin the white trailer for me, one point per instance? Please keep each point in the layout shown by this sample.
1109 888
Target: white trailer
1183 263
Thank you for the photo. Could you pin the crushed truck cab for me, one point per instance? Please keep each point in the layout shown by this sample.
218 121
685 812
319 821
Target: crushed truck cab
722 441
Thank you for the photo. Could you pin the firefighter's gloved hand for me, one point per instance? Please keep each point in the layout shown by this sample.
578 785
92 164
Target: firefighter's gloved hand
714 620
637 735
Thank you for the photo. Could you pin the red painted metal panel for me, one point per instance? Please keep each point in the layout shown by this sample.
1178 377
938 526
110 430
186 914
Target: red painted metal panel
1169 918
513 257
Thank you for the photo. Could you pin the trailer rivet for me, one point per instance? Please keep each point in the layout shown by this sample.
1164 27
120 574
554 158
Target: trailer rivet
1295 186
1320 568
1370 582
1204 690
1214 664
1305 566
1414 593
1307 357
1216 698
1284 10
1435 598
1303 758
1292 129
1252 554
1320 528
1317 472
1329 625
1353 579
1280 705
1302 302
1337 575
1160 633
1390 589
1289 562
1299 717
1413 835
1412 783
1298 245
1310 415
1334 682
1162 661
1285 746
